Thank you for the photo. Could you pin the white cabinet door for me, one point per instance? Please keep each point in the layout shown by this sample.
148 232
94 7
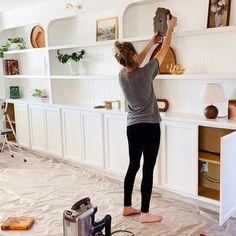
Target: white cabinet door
37 127
116 144
93 143
53 130
179 157
22 124
72 138
227 177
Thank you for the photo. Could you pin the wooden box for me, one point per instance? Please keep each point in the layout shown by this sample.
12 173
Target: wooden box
232 110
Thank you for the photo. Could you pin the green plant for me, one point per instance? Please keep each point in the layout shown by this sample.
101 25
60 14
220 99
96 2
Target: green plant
75 56
4 48
16 40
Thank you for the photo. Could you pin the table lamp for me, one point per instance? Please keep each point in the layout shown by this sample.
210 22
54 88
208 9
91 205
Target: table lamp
211 94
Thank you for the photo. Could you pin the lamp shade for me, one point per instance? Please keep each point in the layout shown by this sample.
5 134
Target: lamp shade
212 93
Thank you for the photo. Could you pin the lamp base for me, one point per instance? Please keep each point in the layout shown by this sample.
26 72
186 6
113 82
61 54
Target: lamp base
211 112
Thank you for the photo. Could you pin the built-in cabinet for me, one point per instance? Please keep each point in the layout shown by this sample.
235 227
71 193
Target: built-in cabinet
72 134
116 145
53 130
179 152
93 141
98 137
23 124
37 127
199 160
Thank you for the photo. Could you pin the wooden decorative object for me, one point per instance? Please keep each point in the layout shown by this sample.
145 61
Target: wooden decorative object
232 110
17 223
160 21
211 112
163 104
37 37
169 60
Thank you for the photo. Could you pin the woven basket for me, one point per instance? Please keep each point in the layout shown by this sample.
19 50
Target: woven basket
168 60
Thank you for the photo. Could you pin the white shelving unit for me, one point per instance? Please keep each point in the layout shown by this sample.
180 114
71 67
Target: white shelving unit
207 55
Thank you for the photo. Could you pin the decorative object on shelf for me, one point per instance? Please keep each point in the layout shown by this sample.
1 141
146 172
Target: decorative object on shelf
232 109
107 29
71 6
108 104
37 37
12 44
218 13
163 104
14 92
176 69
68 58
160 21
16 43
39 95
11 67
169 59
212 94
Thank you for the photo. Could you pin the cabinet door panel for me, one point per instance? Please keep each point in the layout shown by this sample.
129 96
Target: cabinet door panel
180 164
72 137
117 155
227 177
93 142
37 127
22 124
53 131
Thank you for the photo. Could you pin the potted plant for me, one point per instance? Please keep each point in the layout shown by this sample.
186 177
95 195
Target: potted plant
12 44
68 58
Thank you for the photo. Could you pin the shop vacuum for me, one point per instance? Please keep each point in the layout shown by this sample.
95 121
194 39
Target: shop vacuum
80 221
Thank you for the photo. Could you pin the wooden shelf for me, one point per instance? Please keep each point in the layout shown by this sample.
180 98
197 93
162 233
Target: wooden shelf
84 77
12 121
209 157
209 193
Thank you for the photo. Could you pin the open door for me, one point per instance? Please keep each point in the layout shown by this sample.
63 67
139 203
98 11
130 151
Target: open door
228 177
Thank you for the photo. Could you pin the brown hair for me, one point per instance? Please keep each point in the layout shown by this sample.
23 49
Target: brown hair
124 53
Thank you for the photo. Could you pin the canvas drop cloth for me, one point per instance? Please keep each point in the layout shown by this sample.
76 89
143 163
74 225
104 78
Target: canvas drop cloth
43 188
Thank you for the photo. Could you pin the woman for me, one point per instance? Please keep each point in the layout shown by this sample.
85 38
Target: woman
143 128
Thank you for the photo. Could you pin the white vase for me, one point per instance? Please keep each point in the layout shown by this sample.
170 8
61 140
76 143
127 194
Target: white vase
218 18
73 68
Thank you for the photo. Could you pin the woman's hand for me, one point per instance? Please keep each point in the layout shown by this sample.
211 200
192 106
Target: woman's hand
156 38
171 23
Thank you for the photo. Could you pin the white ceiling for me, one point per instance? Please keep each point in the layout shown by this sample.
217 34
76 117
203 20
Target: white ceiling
17 4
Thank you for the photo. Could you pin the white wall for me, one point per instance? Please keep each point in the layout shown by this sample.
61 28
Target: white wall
198 54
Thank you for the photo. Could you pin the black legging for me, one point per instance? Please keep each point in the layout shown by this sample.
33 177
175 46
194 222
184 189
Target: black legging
142 138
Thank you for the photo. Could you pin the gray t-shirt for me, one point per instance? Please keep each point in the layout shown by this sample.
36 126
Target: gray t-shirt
138 90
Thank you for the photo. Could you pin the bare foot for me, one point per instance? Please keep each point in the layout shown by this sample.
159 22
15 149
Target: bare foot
127 211
148 218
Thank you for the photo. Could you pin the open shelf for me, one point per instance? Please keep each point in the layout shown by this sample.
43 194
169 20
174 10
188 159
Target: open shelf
209 193
197 76
82 45
209 157
84 77
29 50
25 76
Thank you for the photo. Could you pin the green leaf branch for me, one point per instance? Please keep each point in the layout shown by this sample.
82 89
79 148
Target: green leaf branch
75 56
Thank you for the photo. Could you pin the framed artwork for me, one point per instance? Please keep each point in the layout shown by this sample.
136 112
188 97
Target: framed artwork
107 29
218 13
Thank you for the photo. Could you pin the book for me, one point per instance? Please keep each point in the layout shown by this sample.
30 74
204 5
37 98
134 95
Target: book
17 223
